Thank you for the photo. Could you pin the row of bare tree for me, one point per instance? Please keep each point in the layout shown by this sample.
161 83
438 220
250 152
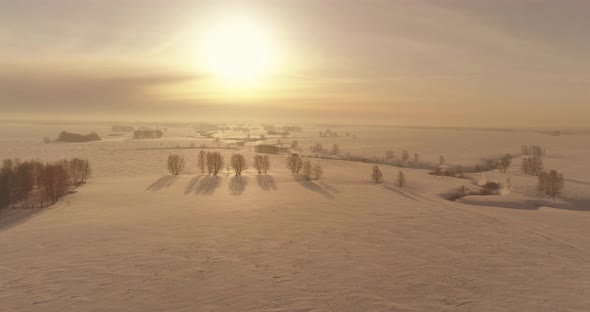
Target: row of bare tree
551 183
309 170
534 150
27 183
405 156
213 162
532 165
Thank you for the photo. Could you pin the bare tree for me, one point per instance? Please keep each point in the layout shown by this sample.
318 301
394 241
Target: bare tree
238 163
24 182
441 160
377 176
175 164
416 157
217 141
307 170
317 171
266 163
210 161
389 154
405 156
259 163
532 165
55 181
86 171
79 170
401 179
551 183
505 162
335 149
202 161
216 162
294 162
318 148
294 144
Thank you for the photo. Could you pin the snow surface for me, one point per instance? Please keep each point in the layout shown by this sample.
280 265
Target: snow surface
137 239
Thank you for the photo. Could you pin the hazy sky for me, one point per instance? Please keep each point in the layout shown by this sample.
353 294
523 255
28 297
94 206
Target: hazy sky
465 63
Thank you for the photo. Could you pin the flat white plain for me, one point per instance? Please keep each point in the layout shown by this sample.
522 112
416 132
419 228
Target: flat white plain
136 239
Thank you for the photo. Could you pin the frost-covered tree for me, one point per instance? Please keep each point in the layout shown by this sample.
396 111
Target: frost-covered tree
175 164
335 149
238 163
209 162
532 165
505 163
551 183
202 161
294 162
317 171
266 163
216 161
405 156
401 179
376 175
259 163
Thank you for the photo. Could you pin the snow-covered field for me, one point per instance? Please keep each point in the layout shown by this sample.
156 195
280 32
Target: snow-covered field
137 239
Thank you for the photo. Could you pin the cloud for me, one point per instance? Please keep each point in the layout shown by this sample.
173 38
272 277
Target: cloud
44 91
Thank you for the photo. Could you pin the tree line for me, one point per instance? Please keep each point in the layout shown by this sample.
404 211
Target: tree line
309 170
29 183
213 163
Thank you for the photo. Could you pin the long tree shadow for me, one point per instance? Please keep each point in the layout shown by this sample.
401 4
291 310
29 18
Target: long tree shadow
237 185
162 182
329 187
266 183
399 191
207 185
192 185
310 185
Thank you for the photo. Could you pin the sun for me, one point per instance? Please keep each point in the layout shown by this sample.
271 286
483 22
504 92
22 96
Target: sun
237 50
